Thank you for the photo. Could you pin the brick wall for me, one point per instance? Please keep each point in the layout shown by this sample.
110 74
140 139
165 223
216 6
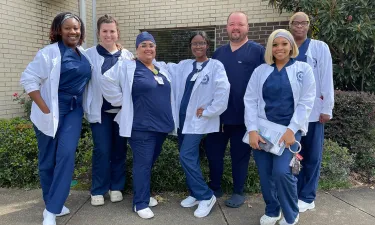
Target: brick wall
135 15
24 28
258 32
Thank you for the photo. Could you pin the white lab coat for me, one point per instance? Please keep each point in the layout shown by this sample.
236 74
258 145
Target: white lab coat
319 58
302 81
117 84
94 85
43 74
210 91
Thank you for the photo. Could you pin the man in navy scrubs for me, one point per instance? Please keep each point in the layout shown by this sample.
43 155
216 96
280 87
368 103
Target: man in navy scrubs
240 57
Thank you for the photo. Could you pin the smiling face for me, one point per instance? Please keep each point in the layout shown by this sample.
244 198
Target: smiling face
237 27
108 34
281 49
199 47
299 27
146 51
71 32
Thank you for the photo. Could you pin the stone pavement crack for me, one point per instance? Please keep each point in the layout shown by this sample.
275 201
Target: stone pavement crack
222 213
351 205
73 214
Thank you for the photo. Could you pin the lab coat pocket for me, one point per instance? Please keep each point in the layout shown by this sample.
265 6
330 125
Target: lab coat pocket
43 121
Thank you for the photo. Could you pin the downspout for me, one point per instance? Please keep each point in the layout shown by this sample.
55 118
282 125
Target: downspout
94 22
82 13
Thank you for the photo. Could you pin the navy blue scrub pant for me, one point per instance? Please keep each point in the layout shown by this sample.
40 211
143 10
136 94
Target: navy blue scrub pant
109 156
146 147
189 158
278 184
312 152
215 146
56 158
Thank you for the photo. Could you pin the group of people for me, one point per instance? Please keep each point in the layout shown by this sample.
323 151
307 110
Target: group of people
140 100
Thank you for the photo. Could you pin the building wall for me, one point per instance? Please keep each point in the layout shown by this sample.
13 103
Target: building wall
24 29
135 15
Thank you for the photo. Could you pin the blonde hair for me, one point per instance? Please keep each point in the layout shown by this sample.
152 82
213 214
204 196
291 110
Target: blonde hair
298 14
268 56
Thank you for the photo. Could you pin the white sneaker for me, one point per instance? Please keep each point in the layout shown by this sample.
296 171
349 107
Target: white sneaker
49 218
115 196
145 213
64 211
97 200
267 220
189 202
153 202
283 221
304 206
204 207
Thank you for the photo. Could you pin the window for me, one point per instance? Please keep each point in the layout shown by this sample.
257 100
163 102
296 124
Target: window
173 44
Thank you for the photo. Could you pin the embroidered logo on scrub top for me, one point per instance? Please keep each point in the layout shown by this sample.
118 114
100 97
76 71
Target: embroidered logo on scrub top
315 62
205 79
299 76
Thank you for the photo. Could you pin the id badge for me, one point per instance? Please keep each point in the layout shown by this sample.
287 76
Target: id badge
159 80
194 77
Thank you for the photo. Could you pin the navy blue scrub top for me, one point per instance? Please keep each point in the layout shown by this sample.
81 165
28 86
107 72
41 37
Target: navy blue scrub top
278 96
75 73
189 85
109 61
151 101
302 50
239 66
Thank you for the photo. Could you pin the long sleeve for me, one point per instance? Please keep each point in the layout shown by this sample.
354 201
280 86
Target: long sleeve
221 92
35 73
110 84
251 102
326 80
305 102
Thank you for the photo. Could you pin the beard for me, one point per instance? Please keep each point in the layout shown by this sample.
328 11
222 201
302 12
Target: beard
237 37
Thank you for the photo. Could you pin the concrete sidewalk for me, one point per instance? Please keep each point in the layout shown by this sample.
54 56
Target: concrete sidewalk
346 207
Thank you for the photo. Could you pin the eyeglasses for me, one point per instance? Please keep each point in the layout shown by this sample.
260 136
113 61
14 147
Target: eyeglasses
197 44
302 23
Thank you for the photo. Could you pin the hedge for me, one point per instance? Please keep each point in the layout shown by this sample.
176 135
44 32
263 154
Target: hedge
18 154
353 127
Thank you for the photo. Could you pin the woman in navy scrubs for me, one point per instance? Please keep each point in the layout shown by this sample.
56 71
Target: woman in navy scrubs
146 117
282 92
202 88
56 81
109 154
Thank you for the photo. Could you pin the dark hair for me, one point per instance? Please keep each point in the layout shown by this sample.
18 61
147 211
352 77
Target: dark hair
55 31
108 19
200 33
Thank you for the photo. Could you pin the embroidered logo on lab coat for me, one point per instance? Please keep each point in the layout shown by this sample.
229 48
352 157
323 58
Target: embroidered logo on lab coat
315 62
205 79
299 76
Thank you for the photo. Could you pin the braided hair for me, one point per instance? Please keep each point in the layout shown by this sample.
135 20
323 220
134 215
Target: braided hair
55 31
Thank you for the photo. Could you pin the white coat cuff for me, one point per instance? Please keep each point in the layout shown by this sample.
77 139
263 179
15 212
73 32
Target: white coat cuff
252 128
31 88
206 113
327 111
294 127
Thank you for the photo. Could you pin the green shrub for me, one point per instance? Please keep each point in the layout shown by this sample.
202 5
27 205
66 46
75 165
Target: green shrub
336 165
19 167
353 126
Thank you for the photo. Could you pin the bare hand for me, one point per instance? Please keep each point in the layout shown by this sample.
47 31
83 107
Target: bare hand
288 138
200 112
45 110
254 139
324 118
